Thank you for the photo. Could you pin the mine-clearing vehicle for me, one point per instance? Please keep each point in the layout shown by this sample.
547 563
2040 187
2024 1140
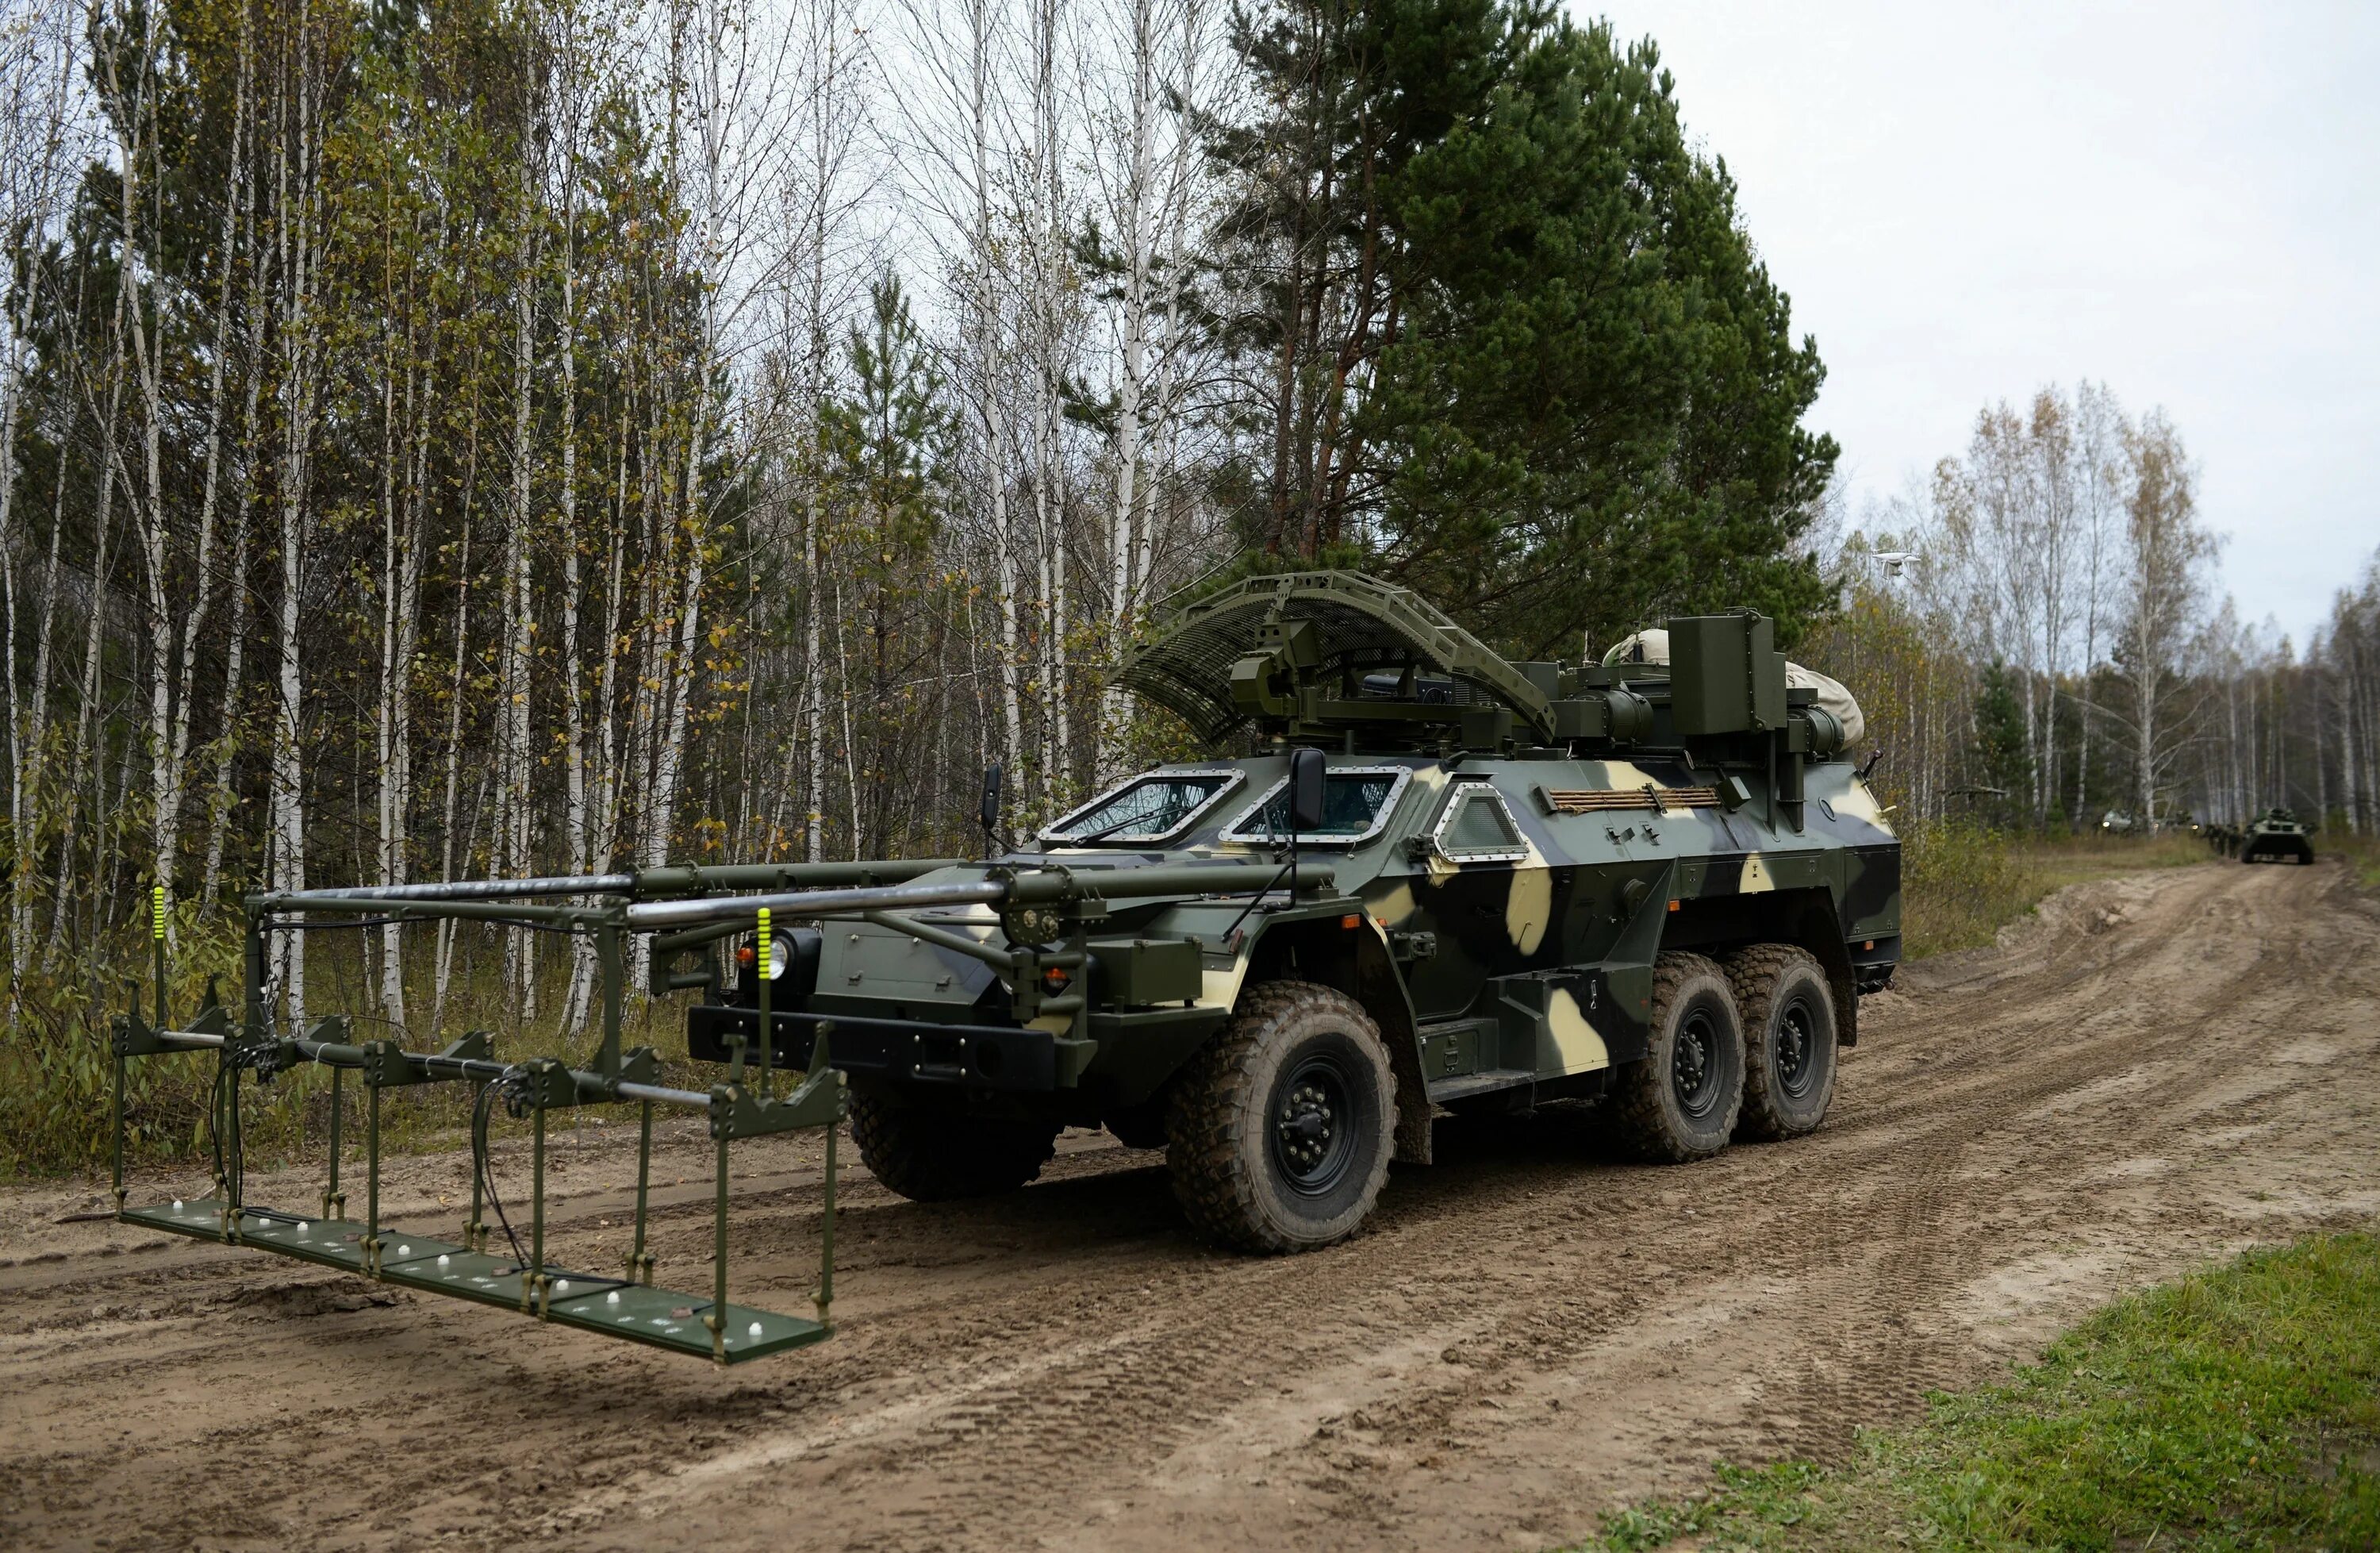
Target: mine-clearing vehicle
1409 877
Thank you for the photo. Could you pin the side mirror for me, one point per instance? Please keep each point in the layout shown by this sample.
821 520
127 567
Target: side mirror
1305 790
989 812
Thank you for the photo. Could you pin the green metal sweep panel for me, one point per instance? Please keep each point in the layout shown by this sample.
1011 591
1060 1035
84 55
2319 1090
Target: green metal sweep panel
1363 624
659 1317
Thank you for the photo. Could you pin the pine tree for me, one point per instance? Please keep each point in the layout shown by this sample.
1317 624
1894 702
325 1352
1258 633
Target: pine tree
1517 348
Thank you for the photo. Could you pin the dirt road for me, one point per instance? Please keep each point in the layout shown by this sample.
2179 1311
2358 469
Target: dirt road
2159 1070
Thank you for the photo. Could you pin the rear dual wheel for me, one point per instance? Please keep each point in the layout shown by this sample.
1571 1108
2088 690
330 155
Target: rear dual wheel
1788 1040
1743 1048
1682 1102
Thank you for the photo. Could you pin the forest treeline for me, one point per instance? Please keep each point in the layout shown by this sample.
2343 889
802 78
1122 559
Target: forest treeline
2040 636
463 436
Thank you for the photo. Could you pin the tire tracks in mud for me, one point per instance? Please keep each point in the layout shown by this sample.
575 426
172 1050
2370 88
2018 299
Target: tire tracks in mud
1530 1333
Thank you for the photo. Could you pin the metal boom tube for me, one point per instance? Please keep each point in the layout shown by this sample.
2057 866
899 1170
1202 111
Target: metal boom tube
1033 886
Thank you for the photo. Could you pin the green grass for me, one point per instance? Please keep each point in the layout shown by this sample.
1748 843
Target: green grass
2239 1409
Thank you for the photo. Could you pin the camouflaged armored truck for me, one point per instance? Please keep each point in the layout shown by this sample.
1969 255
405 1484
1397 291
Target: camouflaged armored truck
2276 835
1477 885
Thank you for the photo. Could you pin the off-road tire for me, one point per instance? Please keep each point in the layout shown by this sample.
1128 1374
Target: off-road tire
1694 1012
1788 1041
1249 1169
937 1157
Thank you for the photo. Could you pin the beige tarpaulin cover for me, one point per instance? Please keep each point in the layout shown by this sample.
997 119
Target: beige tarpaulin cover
1833 695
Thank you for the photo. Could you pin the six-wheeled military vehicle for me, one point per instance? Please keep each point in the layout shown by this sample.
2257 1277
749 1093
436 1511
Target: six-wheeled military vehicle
1659 885
1406 875
2276 835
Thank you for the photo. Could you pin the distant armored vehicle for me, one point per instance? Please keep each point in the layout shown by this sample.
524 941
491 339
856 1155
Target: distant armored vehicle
2276 835
1497 883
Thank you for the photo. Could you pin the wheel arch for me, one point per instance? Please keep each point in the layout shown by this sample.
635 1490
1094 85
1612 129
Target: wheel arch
1355 961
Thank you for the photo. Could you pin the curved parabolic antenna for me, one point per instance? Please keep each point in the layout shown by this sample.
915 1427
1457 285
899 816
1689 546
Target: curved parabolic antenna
1359 625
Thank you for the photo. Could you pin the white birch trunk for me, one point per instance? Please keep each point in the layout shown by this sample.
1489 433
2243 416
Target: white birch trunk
513 796
577 835
443 967
1140 129
302 239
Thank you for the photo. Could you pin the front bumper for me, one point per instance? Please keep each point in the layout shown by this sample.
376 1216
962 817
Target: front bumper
975 1057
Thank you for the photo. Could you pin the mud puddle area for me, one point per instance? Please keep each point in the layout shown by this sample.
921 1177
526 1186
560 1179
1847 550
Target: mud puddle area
2156 1073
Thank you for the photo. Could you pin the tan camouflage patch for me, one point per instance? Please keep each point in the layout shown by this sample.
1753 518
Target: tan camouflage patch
1221 989
1857 802
1528 906
1626 774
1576 1046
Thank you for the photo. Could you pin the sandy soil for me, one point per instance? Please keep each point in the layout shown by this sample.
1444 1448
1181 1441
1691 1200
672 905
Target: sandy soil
2155 1073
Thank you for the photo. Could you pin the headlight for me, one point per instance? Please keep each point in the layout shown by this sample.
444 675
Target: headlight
781 954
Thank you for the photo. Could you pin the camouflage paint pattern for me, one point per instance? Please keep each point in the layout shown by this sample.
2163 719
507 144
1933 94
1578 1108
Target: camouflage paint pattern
1529 964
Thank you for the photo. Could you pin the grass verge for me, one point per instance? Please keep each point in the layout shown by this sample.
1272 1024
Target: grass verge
2363 853
2237 1409
1962 883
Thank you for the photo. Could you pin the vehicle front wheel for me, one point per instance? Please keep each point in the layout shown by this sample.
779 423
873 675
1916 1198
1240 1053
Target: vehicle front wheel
1788 1040
1682 1102
937 1157
1280 1130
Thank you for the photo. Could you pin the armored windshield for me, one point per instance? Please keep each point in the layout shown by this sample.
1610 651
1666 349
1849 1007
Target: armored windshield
1146 809
1356 801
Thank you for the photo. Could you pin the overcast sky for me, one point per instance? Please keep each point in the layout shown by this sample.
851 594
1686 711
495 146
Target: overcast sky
2179 200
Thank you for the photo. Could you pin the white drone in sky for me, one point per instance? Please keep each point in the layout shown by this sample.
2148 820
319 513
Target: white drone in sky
1894 560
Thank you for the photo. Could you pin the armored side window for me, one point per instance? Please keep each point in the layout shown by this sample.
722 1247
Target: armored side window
1153 808
1478 827
1356 803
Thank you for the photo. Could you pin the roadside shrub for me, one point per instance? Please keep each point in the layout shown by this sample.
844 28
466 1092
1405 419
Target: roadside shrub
1960 881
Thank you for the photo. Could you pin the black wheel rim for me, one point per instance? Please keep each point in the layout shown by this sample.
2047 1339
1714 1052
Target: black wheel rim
1696 1065
1796 1049
1313 1124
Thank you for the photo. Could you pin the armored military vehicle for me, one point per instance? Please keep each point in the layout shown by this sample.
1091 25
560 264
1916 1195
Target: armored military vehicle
1408 875
2276 835
1480 885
